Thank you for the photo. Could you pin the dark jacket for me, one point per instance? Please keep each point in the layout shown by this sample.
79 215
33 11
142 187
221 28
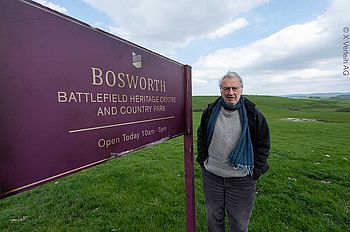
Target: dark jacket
259 132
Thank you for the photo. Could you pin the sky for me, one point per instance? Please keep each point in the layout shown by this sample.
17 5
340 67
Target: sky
278 47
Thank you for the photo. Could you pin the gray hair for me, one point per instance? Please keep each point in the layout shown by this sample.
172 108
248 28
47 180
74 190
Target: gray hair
231 74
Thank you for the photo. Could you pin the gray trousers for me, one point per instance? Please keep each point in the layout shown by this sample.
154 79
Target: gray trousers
236 195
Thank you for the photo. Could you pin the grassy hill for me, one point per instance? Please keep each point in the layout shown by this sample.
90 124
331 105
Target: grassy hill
306 189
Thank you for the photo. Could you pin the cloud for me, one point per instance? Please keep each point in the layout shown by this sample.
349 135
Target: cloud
53 6
229 28
167 25
294 59
283 45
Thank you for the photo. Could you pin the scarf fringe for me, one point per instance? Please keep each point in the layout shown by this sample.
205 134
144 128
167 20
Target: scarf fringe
234 164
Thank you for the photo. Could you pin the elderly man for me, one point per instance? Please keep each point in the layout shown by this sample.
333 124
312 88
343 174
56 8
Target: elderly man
233 146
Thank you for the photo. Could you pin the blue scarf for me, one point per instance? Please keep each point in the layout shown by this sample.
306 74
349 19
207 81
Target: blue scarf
242 155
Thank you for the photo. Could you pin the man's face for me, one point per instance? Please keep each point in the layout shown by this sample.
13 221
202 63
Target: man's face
231 90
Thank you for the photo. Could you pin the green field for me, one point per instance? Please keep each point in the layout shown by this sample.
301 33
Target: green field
306 189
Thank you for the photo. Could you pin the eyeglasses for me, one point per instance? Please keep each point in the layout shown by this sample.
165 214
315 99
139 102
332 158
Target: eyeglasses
234 89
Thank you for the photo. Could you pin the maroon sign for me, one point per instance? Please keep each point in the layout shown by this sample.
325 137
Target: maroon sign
72 96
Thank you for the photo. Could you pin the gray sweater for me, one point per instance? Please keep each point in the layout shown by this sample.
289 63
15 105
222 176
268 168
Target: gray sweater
227 132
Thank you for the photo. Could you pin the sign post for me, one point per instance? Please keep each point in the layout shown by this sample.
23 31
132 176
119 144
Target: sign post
189 156
72 96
